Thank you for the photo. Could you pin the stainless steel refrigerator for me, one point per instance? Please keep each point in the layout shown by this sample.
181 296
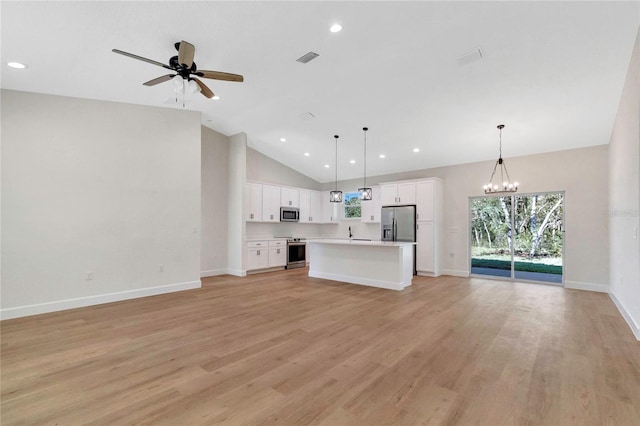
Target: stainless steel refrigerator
398 223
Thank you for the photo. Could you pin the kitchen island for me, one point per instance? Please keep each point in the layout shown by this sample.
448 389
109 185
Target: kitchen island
385 264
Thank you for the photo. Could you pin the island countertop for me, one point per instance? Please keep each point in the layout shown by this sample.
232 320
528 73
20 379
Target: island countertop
361 242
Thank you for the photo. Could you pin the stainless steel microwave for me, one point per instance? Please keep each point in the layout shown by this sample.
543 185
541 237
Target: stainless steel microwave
289 214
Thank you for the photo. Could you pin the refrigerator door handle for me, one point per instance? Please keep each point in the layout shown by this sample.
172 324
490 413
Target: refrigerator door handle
395 229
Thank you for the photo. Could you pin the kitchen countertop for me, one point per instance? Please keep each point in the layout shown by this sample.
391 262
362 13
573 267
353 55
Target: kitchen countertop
356 242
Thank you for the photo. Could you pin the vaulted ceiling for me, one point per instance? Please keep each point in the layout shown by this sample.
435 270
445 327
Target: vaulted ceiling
552 72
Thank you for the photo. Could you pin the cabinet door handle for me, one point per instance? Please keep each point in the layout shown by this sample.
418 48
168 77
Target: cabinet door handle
251 216
258 252
271 216
417 215
278 251
371 217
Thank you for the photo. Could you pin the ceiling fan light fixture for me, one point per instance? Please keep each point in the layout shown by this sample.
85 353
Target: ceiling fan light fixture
335 28
193 87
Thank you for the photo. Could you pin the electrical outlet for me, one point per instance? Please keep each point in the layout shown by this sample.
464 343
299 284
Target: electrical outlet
161 268
89 276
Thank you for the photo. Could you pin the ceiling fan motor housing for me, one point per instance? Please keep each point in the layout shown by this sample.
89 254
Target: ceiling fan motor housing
179 68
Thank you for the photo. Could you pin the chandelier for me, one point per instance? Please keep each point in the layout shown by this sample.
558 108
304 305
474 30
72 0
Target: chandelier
507 185
366 194
336 196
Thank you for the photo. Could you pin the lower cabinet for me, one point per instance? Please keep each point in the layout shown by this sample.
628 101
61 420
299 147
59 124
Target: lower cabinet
258 255
426 250
266 254
277 253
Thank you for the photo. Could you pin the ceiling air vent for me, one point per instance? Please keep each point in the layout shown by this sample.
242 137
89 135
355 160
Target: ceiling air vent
307 57
469 56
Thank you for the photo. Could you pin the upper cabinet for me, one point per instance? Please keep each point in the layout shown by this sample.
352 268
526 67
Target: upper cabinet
425 200
370 210
289 197
330 211
394 194
270 203
316 211
254 202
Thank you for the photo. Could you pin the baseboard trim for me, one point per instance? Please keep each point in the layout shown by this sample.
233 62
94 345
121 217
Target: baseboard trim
455 273
237 272
81 302
635 328
576 285
212 273
358 280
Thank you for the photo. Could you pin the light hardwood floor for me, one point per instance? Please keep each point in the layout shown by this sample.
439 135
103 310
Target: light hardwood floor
281 348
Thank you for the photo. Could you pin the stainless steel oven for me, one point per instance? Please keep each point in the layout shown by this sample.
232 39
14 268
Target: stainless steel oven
296 253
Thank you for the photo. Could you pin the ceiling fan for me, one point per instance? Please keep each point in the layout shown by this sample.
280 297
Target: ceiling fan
182 65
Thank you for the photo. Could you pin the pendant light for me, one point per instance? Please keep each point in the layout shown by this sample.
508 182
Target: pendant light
506 186
366 194
336 196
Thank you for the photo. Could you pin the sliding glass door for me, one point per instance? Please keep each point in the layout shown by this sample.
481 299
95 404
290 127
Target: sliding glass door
518 236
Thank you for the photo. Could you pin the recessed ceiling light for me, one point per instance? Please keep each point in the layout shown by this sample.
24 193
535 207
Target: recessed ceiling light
416 149
215 97
382 155
306 154
283 140
353 161
326 166
17 65
335 28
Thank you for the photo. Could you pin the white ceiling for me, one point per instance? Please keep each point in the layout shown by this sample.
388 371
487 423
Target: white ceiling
552 72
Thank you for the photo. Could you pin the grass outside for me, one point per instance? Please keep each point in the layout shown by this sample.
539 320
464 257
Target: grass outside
523 266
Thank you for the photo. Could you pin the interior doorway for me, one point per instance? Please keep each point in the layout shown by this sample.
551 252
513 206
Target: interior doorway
518 236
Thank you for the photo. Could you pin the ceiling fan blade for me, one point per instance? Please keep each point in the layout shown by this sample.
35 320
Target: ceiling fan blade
140 58
217 75
186 53
204 89
159 80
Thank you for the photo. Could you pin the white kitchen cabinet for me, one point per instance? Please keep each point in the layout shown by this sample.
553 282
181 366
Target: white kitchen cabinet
257 255
425 200
311 206
401 193
425 253
270 203
370 210
305 206
330 211
317 201
254 202
289 197
429 226
277 253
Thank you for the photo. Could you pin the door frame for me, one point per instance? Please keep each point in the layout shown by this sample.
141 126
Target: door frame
512 277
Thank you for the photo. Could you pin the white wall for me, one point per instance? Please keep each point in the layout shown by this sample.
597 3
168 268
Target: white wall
215 184
264 169
624 201
236 225
101 187
582 173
